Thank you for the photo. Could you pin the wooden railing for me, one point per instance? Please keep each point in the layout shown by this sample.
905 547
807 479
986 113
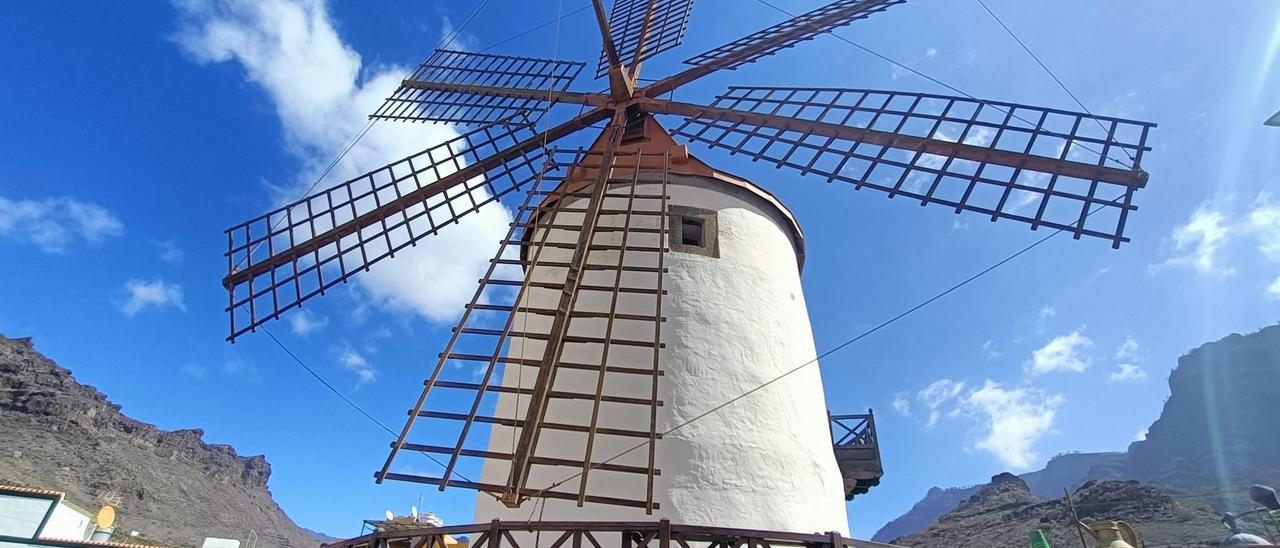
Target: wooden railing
597 534
857 449
853 430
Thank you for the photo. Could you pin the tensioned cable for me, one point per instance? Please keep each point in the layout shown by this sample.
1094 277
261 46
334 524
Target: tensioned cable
940 82
325 173
1046 69
524 317
843 345
329 168
344 398
539 27
467 21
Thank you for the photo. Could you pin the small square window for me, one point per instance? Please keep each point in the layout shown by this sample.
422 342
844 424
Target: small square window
691 232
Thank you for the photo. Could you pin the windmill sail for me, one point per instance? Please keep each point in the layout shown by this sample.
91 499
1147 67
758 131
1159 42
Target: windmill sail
593 406
649 27
1043 167
769 41
478 88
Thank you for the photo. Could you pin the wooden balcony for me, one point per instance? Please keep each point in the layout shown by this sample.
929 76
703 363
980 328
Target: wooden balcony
857 448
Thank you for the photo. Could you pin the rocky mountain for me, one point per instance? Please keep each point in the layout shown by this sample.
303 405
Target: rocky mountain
1214 437
936 503
1066 471
1003 513
1217 431
56 433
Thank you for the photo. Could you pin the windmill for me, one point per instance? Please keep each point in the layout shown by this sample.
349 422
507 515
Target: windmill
638 286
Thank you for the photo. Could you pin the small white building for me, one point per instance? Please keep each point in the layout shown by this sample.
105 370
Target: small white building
41 514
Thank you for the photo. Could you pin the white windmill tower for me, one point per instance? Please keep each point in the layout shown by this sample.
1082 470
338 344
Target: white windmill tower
641 293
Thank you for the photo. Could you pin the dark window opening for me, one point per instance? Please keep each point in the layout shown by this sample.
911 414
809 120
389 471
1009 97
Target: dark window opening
691 232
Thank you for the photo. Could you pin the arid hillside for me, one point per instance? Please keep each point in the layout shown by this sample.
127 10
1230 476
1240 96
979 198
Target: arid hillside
59 434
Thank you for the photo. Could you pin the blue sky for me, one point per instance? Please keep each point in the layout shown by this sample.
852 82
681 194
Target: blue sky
132 138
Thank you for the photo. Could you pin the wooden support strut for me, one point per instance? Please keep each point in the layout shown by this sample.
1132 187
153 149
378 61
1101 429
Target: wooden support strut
522 456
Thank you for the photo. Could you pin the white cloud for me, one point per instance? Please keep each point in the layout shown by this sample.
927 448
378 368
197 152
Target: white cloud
938 392
1274 288
292 50
1264 224
1197 243
170 252
897 71
143 294
1013 420
1062 353
1127 372
231 366
1047 311
450 38
1141 435
198 372
54 224
352 361
991 350
901 404
1128 350
303 322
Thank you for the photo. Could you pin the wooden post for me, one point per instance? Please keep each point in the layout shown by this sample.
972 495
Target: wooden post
664 533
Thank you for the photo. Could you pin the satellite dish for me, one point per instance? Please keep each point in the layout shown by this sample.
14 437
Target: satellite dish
106 517
413 511
390 516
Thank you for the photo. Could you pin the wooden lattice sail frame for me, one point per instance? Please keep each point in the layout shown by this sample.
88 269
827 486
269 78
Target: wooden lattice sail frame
1039 166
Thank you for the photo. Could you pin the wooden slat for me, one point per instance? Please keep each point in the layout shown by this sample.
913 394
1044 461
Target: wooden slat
560 394
518 423
546 461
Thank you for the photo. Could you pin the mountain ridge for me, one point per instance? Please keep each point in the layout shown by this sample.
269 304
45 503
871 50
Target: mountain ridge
174 487
1217 389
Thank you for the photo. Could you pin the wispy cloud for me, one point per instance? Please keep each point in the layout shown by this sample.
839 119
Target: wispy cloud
140 295
1062 353
937 394
303 322
1196 242
897 71
1008 421
1012 421
170 252
55 224
1127 369
991 350
352 361
231 366
901 404
450 38
1263 224
1128 350
1126 372
1047 311
322 93
1202 242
